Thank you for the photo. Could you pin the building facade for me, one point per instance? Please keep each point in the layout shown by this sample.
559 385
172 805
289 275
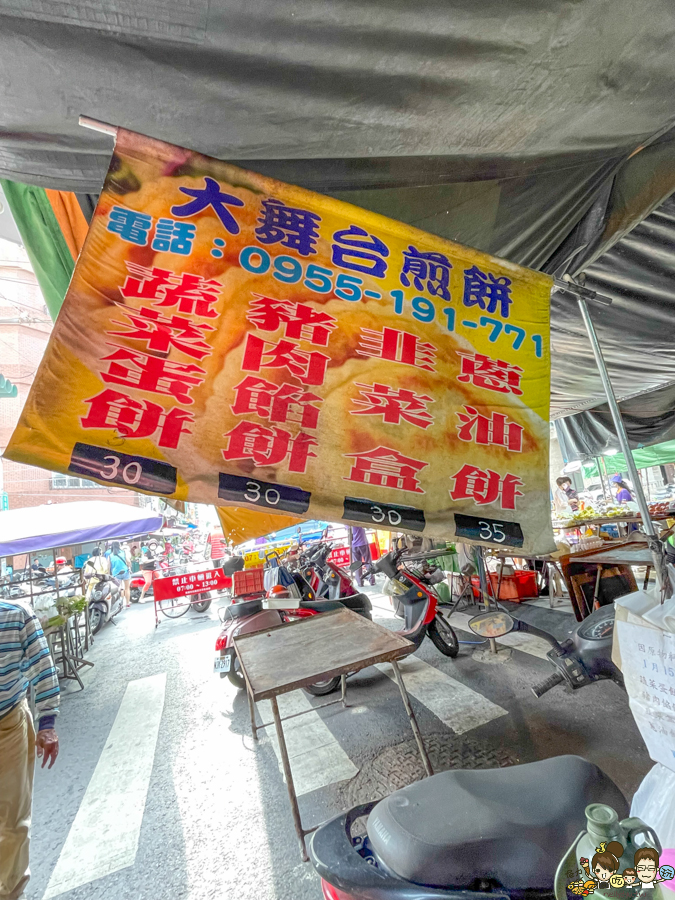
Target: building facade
25 327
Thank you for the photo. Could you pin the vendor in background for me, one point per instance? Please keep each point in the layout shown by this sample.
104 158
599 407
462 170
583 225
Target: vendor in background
361 551
97 564
148 566
565 495
119 568
623 492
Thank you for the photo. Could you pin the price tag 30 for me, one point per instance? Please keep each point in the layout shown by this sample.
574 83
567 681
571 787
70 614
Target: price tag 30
239 489
137 472
387 516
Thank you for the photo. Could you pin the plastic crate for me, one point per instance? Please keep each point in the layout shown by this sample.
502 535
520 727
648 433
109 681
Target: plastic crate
514 587
248 581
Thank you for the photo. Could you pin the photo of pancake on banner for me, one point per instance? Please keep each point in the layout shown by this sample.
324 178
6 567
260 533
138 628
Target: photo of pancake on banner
232 340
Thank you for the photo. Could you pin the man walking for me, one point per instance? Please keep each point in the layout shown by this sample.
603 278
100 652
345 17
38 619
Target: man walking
24 659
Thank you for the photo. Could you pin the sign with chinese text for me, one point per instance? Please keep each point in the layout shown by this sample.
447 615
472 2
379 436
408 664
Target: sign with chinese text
190 583
648 668
233 340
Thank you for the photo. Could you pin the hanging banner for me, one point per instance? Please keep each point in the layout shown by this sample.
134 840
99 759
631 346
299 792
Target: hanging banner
233 340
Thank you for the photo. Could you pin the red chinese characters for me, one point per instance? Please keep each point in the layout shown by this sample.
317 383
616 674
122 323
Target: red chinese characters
398 346
393 405
491 374
278 403
486 487
385 467
149 370
300 321
152 374
269 446
494 430
192 294
137 418
308 366
161 333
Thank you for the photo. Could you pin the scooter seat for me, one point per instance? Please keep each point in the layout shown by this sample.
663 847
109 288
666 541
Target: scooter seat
245 608
360 603
509 826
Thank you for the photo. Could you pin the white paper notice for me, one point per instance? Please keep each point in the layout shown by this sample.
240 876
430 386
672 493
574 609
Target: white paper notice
648 662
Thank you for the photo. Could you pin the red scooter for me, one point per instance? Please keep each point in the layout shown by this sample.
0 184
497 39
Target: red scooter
418 604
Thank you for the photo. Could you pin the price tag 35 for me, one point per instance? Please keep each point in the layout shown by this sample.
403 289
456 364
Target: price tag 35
111 466
489 531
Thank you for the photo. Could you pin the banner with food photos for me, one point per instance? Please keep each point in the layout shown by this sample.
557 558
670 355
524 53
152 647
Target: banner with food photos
233 340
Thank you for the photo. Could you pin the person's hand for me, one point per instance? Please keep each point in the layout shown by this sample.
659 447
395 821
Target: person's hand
47 744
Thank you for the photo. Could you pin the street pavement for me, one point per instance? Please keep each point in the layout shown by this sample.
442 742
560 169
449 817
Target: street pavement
159 791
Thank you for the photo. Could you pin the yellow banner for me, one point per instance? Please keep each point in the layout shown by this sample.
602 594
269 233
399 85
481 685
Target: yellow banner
233 340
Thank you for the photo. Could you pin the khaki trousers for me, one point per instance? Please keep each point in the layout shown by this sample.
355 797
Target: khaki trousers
17 763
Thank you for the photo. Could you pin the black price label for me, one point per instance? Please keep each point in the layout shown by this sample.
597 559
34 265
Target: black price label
114 467
384 515
238 489
491 531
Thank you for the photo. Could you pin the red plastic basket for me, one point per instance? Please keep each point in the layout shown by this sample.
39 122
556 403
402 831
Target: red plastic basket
248 581
514 587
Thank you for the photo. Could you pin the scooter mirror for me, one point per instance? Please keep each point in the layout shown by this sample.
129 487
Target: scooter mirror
355 566
492 624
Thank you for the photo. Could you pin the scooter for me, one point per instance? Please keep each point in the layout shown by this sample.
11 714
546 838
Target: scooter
250 615
418 601
582 659
486 834
327 580
105 601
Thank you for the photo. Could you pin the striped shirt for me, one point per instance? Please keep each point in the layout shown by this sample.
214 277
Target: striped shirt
24 659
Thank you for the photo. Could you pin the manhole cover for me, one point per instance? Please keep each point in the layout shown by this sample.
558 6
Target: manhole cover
400 765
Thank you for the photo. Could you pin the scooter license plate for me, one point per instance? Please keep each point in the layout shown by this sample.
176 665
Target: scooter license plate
222 663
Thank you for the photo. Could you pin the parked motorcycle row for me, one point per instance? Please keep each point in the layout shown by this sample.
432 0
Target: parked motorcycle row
457 834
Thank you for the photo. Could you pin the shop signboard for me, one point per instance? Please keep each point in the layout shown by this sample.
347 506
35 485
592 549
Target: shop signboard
190 583
232 340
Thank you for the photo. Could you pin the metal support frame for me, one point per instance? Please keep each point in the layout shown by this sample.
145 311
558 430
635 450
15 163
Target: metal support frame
648 525
413 721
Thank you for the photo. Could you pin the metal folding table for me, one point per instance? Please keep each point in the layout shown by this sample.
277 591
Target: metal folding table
315 649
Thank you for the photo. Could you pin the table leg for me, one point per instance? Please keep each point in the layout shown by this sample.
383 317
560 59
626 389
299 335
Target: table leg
343 688
413 720
289 779
251 709
595 604
647 574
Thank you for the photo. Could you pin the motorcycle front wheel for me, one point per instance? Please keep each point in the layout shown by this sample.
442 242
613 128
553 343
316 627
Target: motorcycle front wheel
95 619
135 595
201 606
443 636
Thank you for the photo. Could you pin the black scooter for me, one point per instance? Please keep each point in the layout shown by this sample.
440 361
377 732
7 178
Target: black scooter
485 834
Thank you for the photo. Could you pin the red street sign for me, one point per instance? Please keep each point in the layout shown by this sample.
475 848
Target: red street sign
339 556
190 583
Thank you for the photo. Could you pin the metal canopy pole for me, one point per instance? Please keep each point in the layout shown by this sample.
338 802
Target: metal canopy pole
652 538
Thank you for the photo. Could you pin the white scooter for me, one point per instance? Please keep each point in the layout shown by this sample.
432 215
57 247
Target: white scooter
106 599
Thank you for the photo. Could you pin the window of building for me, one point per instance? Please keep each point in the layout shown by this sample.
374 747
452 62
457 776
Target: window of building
67 481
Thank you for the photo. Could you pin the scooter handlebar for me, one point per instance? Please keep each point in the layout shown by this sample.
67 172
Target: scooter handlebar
539 689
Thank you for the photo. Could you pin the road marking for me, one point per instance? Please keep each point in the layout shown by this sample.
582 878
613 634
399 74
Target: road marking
104 835
317 759
527 643
455 704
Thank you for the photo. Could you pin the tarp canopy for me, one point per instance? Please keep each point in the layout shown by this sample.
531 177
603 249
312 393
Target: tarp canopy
540 132
658 455
62 524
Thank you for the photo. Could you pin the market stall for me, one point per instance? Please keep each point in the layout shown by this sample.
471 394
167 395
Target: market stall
56 592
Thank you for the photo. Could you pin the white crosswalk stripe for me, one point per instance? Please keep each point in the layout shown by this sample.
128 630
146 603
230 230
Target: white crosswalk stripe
317 759
104 835
455 704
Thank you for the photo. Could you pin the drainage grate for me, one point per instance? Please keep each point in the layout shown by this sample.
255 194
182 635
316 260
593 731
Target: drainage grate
400 765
